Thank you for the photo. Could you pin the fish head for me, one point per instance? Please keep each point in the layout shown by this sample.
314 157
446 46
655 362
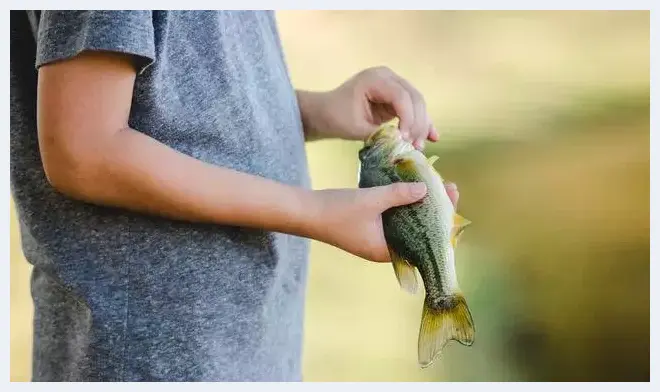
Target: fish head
384 143
386 133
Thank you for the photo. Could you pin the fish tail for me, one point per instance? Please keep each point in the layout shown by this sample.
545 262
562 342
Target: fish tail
449 321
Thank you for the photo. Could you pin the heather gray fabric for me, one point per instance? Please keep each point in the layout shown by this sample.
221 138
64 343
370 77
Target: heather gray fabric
126 297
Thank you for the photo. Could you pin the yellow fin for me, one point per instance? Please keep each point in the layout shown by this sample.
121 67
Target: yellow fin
460 223
405 273
405 165
431 160
439 325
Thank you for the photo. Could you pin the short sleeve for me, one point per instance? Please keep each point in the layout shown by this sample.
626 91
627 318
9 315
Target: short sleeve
65 34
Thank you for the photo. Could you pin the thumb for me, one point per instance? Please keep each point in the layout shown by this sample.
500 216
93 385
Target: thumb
399 194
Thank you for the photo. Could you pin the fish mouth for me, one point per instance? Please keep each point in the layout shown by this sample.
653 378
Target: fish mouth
387 134
386 141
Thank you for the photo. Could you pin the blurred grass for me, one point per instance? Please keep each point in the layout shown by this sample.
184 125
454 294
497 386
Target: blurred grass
545 128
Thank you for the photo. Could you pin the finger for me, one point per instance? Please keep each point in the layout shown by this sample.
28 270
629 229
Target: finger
382 113
452 192
398 194
433 134
388 91
420 128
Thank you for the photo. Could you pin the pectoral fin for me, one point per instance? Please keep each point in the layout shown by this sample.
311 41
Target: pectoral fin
405 166
432 159
405 273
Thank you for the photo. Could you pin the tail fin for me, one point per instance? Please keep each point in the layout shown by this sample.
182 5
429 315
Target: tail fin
440 325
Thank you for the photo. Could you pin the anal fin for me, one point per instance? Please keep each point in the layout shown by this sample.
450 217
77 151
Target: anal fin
405 273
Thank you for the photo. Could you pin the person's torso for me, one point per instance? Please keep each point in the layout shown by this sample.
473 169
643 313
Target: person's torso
144 298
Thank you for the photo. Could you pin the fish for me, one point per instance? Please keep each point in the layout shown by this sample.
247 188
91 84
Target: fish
422 238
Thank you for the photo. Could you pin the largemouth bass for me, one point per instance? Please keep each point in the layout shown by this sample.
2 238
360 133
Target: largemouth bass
421 236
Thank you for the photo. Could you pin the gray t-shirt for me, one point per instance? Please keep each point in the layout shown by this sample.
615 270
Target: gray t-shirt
121 296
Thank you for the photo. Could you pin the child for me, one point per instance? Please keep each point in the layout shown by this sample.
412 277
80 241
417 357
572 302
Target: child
160 178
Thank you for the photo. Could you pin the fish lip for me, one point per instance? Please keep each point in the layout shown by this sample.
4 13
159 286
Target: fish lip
386 132
390 149
386 141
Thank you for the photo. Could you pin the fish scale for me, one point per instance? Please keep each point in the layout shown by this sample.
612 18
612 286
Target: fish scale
421 236
423 260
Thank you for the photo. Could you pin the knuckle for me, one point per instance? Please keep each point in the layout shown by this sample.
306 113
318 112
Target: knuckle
381 70
420 99
384 68
417 97
399 96
402 95
400 190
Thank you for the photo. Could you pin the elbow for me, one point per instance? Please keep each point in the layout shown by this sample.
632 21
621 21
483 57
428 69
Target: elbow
71 171
68 181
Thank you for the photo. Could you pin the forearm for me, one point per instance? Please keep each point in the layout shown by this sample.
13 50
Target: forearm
136 172
313 115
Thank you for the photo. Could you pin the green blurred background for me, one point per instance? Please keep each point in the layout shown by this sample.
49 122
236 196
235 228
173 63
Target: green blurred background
545 128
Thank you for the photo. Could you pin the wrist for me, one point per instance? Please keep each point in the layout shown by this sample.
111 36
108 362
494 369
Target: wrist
311 216
301 212
313 106
323 211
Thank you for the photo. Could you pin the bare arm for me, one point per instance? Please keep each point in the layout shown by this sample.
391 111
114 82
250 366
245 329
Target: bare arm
89 153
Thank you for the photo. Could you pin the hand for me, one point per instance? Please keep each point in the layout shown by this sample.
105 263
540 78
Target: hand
351 219
356 108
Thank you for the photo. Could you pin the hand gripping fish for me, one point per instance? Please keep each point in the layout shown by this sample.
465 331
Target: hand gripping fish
421 236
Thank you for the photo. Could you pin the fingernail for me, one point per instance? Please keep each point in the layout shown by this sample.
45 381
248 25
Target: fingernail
434 135
451 186
418 190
